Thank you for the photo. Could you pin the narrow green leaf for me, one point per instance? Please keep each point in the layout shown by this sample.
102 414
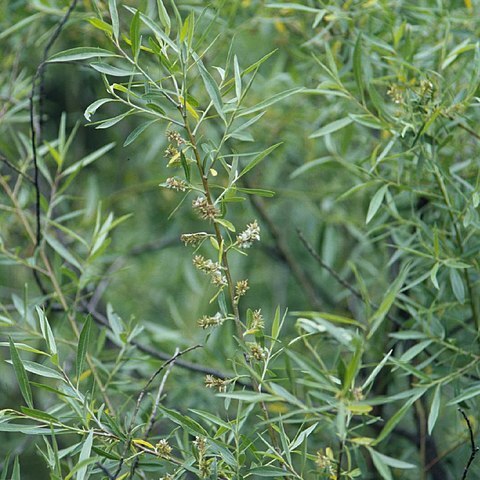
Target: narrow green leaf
332 127
253 163
256 191
457 285
88 159
225 223
80 53
377 318
24 347
380 465
368 121
238 79
155 108
137 131
276 323
93 107
112 6
82 347
285 395
135 34
332 64
358 66
434 409
433 275
394 462
46 331
245 125
318 325
20 25
302 436
352 368
114 120
331 318
185 166
41 370
376 371
399 414
187 29
376 202
16 470
101 25
293 6
62 251
270 101
38 415
189 424
164 17
214 420
250 397
100 234
412 370
211 87
162 37
309 165
6 463
267 471
81 469
84 456
111 70
21 374
415 350
470 392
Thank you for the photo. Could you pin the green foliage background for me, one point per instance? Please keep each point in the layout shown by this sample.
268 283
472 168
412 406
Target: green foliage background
377 170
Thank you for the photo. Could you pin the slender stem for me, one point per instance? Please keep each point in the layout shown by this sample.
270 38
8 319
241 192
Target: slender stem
230 284
128 440
421 430
340 458
474 448
218 234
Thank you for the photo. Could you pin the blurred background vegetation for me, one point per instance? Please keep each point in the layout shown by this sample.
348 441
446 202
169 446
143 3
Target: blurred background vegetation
389 92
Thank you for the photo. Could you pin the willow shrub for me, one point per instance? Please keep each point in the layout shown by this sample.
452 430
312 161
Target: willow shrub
349 153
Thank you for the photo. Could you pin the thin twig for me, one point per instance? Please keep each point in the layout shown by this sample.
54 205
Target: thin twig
151 420
340 458
35 127
153 414
102 320
105 470
103 284
338 278
464 127
7 162
325 266
283 252
474 449
225 262
171 360
154 246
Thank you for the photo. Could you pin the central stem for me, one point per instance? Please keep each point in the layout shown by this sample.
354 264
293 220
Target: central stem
218 233
230 284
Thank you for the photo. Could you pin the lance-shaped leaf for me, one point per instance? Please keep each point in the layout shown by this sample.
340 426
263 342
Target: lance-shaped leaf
83 346
377 318
253 163
112 6
80 53
211 87
21 375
